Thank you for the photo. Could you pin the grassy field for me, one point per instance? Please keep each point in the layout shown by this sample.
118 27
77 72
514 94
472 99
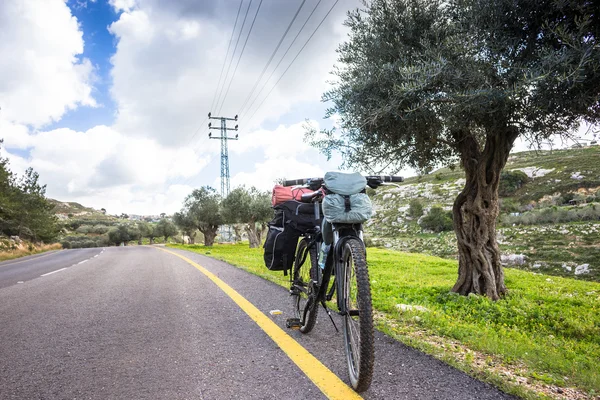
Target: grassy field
541 341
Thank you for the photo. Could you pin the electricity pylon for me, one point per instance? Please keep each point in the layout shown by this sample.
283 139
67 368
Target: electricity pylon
225 231
224 153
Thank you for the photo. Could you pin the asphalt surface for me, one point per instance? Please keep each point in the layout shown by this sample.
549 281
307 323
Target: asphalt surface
139 323
32 267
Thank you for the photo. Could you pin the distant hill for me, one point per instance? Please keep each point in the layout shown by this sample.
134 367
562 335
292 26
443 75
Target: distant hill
71 207
552 217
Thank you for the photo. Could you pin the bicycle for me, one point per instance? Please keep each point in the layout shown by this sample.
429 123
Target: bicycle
344 258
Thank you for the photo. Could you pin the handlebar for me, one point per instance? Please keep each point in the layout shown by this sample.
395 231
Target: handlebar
373 181
295 182
385 178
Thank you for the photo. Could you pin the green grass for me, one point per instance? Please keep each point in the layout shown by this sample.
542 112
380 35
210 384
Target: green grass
548 325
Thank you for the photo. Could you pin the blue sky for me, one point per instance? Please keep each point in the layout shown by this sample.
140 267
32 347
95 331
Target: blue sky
94 19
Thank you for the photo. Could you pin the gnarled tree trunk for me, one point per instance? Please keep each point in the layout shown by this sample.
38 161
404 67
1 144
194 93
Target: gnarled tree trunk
475 211
209 235
253 235
237 232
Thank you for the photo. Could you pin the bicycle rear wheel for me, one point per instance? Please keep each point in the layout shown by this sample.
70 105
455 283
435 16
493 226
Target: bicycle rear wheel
358 321
305 275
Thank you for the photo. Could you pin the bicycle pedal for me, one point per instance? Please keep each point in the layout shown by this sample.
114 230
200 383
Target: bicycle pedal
293 323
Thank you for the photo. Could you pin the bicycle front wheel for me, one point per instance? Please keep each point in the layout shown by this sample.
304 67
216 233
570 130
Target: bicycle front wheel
305 276
358 320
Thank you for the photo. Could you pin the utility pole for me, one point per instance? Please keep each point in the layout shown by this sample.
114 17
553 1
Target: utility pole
224 158
224 153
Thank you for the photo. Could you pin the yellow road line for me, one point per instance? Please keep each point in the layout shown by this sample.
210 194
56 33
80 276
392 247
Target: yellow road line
332 386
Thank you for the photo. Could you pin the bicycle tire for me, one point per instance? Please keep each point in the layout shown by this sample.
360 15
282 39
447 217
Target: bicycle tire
305 274
358 329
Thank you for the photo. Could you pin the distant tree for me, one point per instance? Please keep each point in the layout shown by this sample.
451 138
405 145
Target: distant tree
166 229
250 207
163 215
151 232
203 206
429 82
511 181
146 231
103 210
187 223
134 233
119 234
24 209
124 216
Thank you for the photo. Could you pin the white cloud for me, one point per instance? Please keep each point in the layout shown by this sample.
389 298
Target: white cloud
92 167
169 56
281 142
16 136
265 173
122 5
42 76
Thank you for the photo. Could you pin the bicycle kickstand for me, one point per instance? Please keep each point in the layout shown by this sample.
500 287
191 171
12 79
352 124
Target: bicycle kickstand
330 317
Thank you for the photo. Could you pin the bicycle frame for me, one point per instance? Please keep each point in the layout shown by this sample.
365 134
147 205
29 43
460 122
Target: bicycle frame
333 265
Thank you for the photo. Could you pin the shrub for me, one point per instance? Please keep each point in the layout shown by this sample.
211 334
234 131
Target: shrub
65 244
100 229
509 206
437 220
83 229
566 198
415 208
511 181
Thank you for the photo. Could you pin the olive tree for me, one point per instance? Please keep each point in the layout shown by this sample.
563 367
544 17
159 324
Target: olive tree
422 83
165 228
203 207
250 207
187 223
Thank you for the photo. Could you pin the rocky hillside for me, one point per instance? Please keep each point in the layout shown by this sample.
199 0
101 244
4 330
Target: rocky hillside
550 212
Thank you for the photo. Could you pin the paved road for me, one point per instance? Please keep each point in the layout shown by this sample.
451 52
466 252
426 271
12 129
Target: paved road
139 323
32 267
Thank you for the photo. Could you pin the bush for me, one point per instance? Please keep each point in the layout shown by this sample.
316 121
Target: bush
566 198
100 229
437 220
65 244
553 215
415 208
83 229
509 206
511 181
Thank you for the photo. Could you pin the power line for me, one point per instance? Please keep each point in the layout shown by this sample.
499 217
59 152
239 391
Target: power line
217 87
226 54
241 54
272 56
288 67
282 58
234 49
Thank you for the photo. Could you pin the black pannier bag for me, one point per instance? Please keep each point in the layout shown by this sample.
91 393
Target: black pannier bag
292 218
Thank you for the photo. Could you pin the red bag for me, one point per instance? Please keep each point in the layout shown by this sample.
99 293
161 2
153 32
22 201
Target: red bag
285 193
